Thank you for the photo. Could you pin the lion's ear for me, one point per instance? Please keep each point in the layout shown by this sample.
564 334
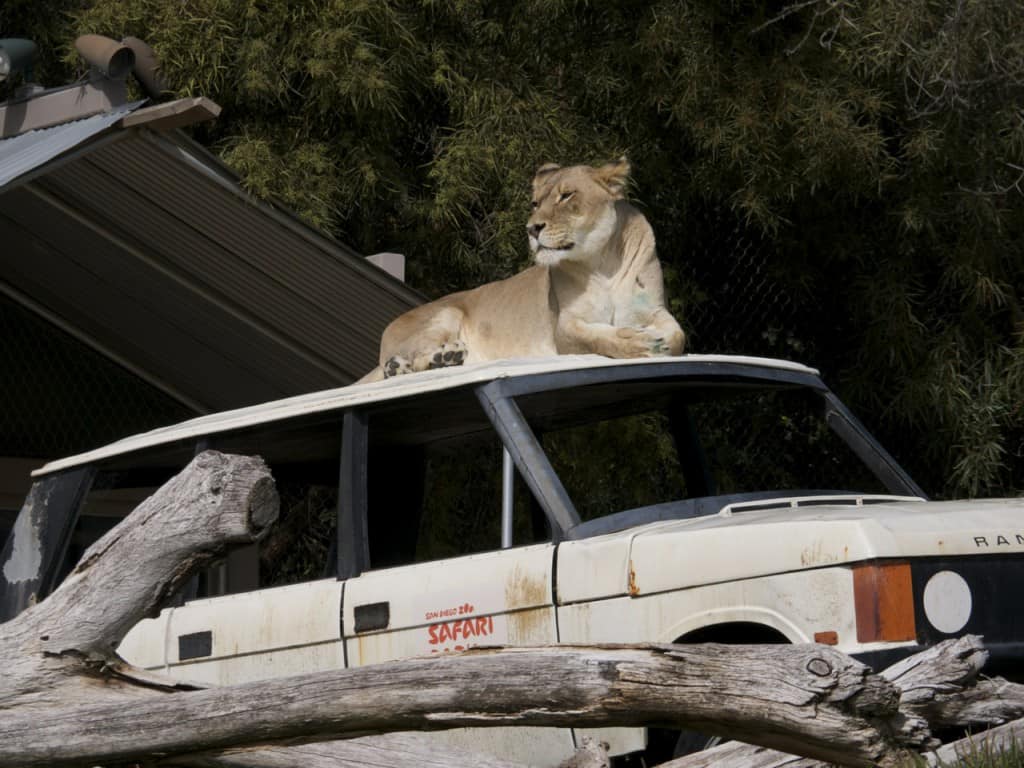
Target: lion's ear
614 176
547 168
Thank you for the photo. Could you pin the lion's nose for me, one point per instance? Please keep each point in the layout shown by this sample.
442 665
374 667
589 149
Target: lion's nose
534 229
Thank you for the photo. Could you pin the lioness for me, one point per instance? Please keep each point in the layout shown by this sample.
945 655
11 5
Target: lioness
596 287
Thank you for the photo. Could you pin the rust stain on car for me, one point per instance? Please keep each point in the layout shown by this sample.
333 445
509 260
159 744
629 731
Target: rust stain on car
527 590
816 554
634 588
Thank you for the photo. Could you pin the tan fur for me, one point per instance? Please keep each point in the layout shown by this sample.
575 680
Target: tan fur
596 287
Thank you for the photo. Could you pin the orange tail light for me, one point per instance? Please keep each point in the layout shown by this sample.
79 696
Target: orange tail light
883 597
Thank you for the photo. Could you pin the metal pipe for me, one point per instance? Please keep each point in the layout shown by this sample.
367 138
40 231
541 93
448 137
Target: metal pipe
529 457
507 475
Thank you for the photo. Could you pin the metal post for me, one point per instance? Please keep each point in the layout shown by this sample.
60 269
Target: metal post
529 458
507 475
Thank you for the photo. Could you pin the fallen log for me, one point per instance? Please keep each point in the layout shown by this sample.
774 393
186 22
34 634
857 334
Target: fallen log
992 701
940 685
590 754
830 707
1002 738
386 751
738 753
60 652
64 690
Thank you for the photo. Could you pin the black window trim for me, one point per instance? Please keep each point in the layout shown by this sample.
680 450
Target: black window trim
498 399
870 451
353 546
529 457
54 522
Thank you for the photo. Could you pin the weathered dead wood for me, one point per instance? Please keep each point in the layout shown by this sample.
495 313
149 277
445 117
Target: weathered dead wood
60 652
829 707
591 753
734 754
391 750
992 701
940 685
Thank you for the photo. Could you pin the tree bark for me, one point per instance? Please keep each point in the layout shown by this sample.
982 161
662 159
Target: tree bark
61 651
830 708
940 685
590 754
67 699
392 750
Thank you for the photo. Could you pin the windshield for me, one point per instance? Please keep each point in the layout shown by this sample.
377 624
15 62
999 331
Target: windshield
621 450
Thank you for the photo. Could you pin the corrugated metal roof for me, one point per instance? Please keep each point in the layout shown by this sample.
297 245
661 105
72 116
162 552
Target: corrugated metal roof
398 387
24 153
147 248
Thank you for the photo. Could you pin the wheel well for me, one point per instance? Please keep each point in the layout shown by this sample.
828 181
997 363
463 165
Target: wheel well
735 633
664 744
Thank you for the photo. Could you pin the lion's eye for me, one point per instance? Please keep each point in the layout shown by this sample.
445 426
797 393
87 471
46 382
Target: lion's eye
565 196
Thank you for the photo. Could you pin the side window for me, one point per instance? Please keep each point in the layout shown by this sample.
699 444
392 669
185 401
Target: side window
300 547
304 461
618 463
770 440
443 499
112 497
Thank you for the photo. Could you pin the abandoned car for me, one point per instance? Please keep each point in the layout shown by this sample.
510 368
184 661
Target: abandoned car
573 499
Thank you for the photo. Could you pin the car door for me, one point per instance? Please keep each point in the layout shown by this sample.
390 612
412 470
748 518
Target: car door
491 598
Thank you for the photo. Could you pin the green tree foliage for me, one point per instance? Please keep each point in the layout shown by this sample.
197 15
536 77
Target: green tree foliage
874 148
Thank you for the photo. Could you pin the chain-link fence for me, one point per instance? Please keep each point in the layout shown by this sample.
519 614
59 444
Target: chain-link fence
61 397
731 301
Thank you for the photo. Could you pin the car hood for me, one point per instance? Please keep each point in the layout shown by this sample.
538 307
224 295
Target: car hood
744 543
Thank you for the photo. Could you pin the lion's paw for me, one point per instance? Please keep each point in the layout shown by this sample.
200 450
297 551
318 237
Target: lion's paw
659 347
452 353
642 342
396 366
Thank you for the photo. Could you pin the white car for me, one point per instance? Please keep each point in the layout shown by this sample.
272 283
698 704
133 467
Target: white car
574 499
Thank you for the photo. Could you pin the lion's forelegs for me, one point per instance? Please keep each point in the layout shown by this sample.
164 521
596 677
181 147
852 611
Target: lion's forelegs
576 335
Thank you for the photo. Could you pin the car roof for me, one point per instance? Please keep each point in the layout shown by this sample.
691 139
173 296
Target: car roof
396 388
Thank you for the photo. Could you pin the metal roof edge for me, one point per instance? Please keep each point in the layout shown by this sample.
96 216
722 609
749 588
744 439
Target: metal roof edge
27 155
355 395
224 175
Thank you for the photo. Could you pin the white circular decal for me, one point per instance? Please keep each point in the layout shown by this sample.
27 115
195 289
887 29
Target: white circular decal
947 601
